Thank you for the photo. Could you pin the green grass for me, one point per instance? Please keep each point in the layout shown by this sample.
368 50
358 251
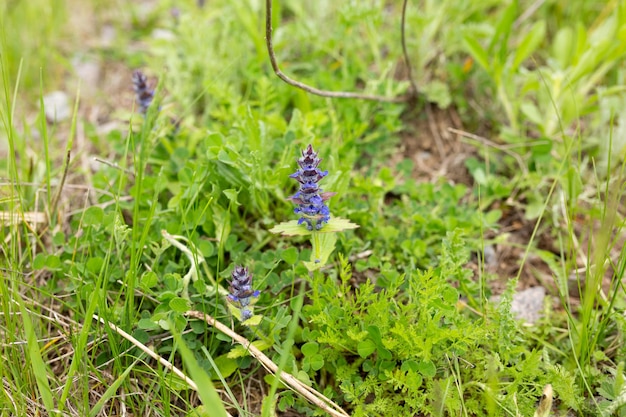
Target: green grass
399 319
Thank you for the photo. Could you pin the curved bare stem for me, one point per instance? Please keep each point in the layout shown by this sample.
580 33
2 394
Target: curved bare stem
407 61
307 88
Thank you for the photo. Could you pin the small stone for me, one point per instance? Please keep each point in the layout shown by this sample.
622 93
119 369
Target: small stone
527 304
57 106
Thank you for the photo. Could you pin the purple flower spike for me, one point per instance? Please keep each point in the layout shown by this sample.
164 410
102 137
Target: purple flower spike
310 199
241 291
144 94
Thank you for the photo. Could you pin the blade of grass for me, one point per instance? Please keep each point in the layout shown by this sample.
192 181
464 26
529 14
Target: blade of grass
206 390
110 392
34 358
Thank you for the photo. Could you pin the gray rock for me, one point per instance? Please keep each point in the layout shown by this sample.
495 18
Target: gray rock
57 106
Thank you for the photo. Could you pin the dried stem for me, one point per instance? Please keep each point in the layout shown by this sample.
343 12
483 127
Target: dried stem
407 61
313 90
309 393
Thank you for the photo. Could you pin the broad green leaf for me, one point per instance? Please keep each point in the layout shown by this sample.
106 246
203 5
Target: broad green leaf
563 46
317 362
292 228
532 113
240 351
290 255
427 368
366 348
503 32
93 216
40 261
255 320
409 365
323 246
226 365
148 280
477 52
179 304
199 411
310 348
529 43
232 194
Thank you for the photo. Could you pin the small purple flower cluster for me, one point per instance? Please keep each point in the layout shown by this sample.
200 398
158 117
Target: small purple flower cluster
144 94
310 199
241 291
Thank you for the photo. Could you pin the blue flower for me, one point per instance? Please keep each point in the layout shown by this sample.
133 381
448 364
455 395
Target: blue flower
143 93
241 291
310 199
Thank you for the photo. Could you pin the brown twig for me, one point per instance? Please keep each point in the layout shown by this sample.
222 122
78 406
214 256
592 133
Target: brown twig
407 61
307 88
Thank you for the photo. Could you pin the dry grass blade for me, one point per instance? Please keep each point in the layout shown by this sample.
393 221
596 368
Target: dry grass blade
545 404
309 393
9 218
150 353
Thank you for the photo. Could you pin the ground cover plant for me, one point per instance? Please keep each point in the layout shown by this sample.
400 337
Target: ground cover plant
186 234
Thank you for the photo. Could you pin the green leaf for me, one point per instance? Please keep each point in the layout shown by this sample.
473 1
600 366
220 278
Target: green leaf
427 368
147 324
148 280
292 228
93 216
503 31
530 42
40 261
232 194
34 359
450 296
255 320
206 391
532 113
477 52
206 248
323 246
226 365
317 362
179 304
290 255
240 351
94 264
409 365
366 348
375 334
199 411
438 92
111 390
58 238
310 348
563 46
492 216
